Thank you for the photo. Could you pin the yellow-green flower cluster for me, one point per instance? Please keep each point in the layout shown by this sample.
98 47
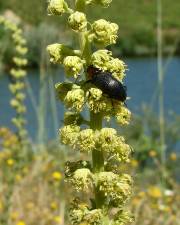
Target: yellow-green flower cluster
103 60
58 52
77 21
117 188
104 3
18 73
82 179
106 140
75 99
123 217
97 102
56 7
122 114
69 134
114 145
85 140
73 65
80 214
104 33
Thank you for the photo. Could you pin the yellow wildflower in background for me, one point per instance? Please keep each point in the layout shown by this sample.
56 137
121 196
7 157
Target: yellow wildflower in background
173 156
154 192
30 205
1 206
53 205
25 170
18 177
14 215
141 194
134 163
21 223
57 175
57 219
136 201
152 153
10 162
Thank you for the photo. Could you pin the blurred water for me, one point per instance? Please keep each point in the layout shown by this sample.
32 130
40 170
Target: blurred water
141 82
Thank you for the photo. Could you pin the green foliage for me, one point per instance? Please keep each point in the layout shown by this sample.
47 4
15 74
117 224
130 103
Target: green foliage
137 21
144 129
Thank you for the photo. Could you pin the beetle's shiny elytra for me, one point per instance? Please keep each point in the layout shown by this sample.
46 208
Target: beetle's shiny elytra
109 85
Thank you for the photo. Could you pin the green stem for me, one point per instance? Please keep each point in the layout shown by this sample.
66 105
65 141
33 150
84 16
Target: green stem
80 5
97 158
95 118
161 84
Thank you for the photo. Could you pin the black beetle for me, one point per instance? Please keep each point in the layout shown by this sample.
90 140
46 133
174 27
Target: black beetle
108 84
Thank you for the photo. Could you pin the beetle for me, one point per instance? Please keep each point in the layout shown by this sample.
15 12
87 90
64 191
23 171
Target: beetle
108 84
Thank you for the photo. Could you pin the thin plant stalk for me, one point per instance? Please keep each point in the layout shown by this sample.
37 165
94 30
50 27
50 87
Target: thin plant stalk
42 102
53 103
161 83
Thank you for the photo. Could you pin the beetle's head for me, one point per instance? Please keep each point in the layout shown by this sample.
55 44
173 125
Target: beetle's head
91 70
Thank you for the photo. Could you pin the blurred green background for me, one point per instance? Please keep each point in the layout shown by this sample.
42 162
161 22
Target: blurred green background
137 20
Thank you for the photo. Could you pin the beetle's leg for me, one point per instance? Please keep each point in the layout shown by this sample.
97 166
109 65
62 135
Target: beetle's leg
76 80
125 104
112 105
87 81
125 87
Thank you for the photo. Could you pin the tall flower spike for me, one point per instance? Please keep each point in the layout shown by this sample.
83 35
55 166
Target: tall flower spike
110 189
18 72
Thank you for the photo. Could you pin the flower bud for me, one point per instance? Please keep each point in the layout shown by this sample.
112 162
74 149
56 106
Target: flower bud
105 33
75 99
97 102
122 114
108 141
100 58
56 7
116 187
106 138
104 3
77 211
20 61
18 73
117 67
85 141
77 21
73 65
122 218
58 52
68 134
82 179
94 216
16 87
21 50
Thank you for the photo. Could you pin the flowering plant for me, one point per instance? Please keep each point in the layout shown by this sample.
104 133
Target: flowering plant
111 189
18 73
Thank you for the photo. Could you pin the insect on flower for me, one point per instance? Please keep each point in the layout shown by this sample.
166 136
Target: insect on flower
108 84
